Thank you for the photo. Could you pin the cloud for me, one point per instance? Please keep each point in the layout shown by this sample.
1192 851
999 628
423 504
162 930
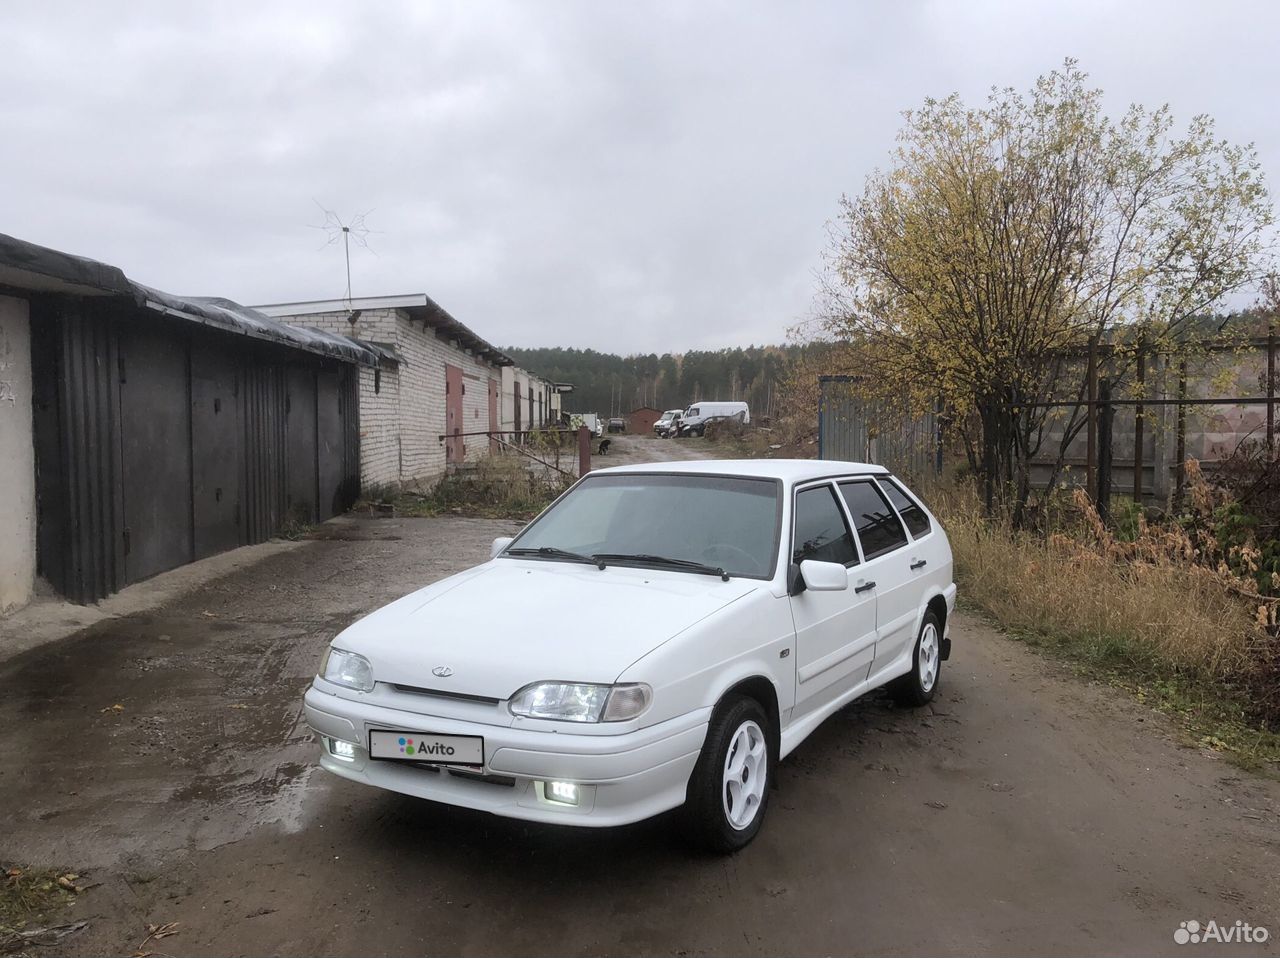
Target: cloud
631 176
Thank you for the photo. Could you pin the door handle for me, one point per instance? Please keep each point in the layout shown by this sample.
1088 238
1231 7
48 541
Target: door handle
864 588
919 565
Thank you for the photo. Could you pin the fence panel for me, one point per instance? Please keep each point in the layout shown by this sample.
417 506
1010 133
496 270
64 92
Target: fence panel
852 429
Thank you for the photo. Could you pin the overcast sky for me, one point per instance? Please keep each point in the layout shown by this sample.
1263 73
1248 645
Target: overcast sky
624 176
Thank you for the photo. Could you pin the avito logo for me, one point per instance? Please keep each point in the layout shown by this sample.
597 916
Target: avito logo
409 747
1193 933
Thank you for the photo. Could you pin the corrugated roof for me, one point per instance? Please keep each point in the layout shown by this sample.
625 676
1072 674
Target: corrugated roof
28 266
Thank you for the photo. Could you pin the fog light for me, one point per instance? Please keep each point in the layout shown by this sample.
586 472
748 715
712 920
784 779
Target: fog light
560 793
343 750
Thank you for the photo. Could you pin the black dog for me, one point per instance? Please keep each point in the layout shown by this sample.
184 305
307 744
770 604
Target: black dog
604 446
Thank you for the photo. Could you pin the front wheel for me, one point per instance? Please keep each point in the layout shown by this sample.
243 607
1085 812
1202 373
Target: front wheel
729 788
919 685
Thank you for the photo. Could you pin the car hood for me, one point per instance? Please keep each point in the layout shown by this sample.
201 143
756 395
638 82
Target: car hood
510 622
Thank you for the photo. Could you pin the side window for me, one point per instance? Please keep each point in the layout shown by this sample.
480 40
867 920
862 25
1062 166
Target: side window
821 532
916 519
878 527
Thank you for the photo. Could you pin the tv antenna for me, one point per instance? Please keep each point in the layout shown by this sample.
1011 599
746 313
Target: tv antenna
353 230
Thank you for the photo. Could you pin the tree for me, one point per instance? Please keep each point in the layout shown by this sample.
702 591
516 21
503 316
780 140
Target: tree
1003 235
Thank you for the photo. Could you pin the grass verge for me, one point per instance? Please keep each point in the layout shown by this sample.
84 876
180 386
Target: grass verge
1172 634
1208 713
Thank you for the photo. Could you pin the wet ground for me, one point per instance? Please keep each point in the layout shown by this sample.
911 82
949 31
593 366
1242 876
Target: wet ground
161 755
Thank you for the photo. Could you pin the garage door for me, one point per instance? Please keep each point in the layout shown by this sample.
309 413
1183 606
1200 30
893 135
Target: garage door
217 436
155 454
302 495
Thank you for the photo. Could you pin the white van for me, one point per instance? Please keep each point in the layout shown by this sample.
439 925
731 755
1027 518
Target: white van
695 419
669 424
589 419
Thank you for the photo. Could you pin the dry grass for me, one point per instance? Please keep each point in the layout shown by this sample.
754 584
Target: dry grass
1184 638
1180 613
33 896
495 487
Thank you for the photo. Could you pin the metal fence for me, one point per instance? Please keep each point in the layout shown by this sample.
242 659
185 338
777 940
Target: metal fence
852 429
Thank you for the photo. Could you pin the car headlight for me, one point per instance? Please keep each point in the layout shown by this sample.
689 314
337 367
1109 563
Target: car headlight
347 669
581 702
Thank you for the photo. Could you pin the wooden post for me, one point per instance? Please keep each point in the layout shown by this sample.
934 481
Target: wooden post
1271 390
584 451
1182 434
1105 419
988 458
1137 425
1091 466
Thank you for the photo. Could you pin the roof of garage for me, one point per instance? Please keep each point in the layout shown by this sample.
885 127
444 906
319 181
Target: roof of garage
28 266
419 306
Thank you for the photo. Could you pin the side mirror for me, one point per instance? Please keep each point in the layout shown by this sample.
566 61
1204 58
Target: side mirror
824 576
499 544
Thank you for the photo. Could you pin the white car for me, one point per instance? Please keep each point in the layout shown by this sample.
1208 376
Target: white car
661 636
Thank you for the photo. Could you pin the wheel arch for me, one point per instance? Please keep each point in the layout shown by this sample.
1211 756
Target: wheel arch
762 690
937 604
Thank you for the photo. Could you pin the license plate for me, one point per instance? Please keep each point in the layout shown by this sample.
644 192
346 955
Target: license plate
427 748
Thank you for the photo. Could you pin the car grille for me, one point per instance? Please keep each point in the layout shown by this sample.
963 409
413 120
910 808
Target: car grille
470 774
441 694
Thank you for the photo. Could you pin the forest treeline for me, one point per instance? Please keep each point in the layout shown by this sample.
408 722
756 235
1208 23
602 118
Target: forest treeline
609 384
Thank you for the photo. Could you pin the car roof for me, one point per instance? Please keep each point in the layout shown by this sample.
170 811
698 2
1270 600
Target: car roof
788 470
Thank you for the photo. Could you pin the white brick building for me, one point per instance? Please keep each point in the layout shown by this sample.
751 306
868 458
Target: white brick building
439 379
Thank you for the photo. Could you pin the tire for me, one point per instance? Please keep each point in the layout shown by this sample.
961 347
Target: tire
919 686
702 431
711 819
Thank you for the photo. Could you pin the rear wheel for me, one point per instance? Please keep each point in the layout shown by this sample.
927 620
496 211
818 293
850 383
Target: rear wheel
919 685
729 788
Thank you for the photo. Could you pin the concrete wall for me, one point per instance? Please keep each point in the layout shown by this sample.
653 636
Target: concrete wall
17 458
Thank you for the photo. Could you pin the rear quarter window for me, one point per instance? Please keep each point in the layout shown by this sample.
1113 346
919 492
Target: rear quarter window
878 527
912 513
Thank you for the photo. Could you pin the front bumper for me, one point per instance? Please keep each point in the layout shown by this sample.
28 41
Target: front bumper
622 778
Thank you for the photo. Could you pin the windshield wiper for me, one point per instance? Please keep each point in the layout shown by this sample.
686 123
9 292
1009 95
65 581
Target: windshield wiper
666 561
552 552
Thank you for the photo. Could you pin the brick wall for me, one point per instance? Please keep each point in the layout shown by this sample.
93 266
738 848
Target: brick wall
401 422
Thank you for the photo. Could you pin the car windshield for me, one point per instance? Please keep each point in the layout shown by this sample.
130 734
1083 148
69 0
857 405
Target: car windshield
725 522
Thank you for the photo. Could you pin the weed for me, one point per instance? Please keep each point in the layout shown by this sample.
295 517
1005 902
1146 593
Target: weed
33 896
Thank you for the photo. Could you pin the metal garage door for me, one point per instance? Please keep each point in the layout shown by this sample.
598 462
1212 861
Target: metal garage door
302 492
330 441
155 454
217 438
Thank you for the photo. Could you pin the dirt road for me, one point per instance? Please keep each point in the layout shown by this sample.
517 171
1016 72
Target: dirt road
1024 813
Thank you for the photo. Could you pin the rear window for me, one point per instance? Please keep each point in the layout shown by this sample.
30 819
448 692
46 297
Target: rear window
820 530
879 529
913 515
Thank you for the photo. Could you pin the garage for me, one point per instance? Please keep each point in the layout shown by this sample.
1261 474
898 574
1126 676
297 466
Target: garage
165 430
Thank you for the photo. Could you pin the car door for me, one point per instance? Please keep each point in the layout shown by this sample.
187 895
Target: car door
835 631
887 563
